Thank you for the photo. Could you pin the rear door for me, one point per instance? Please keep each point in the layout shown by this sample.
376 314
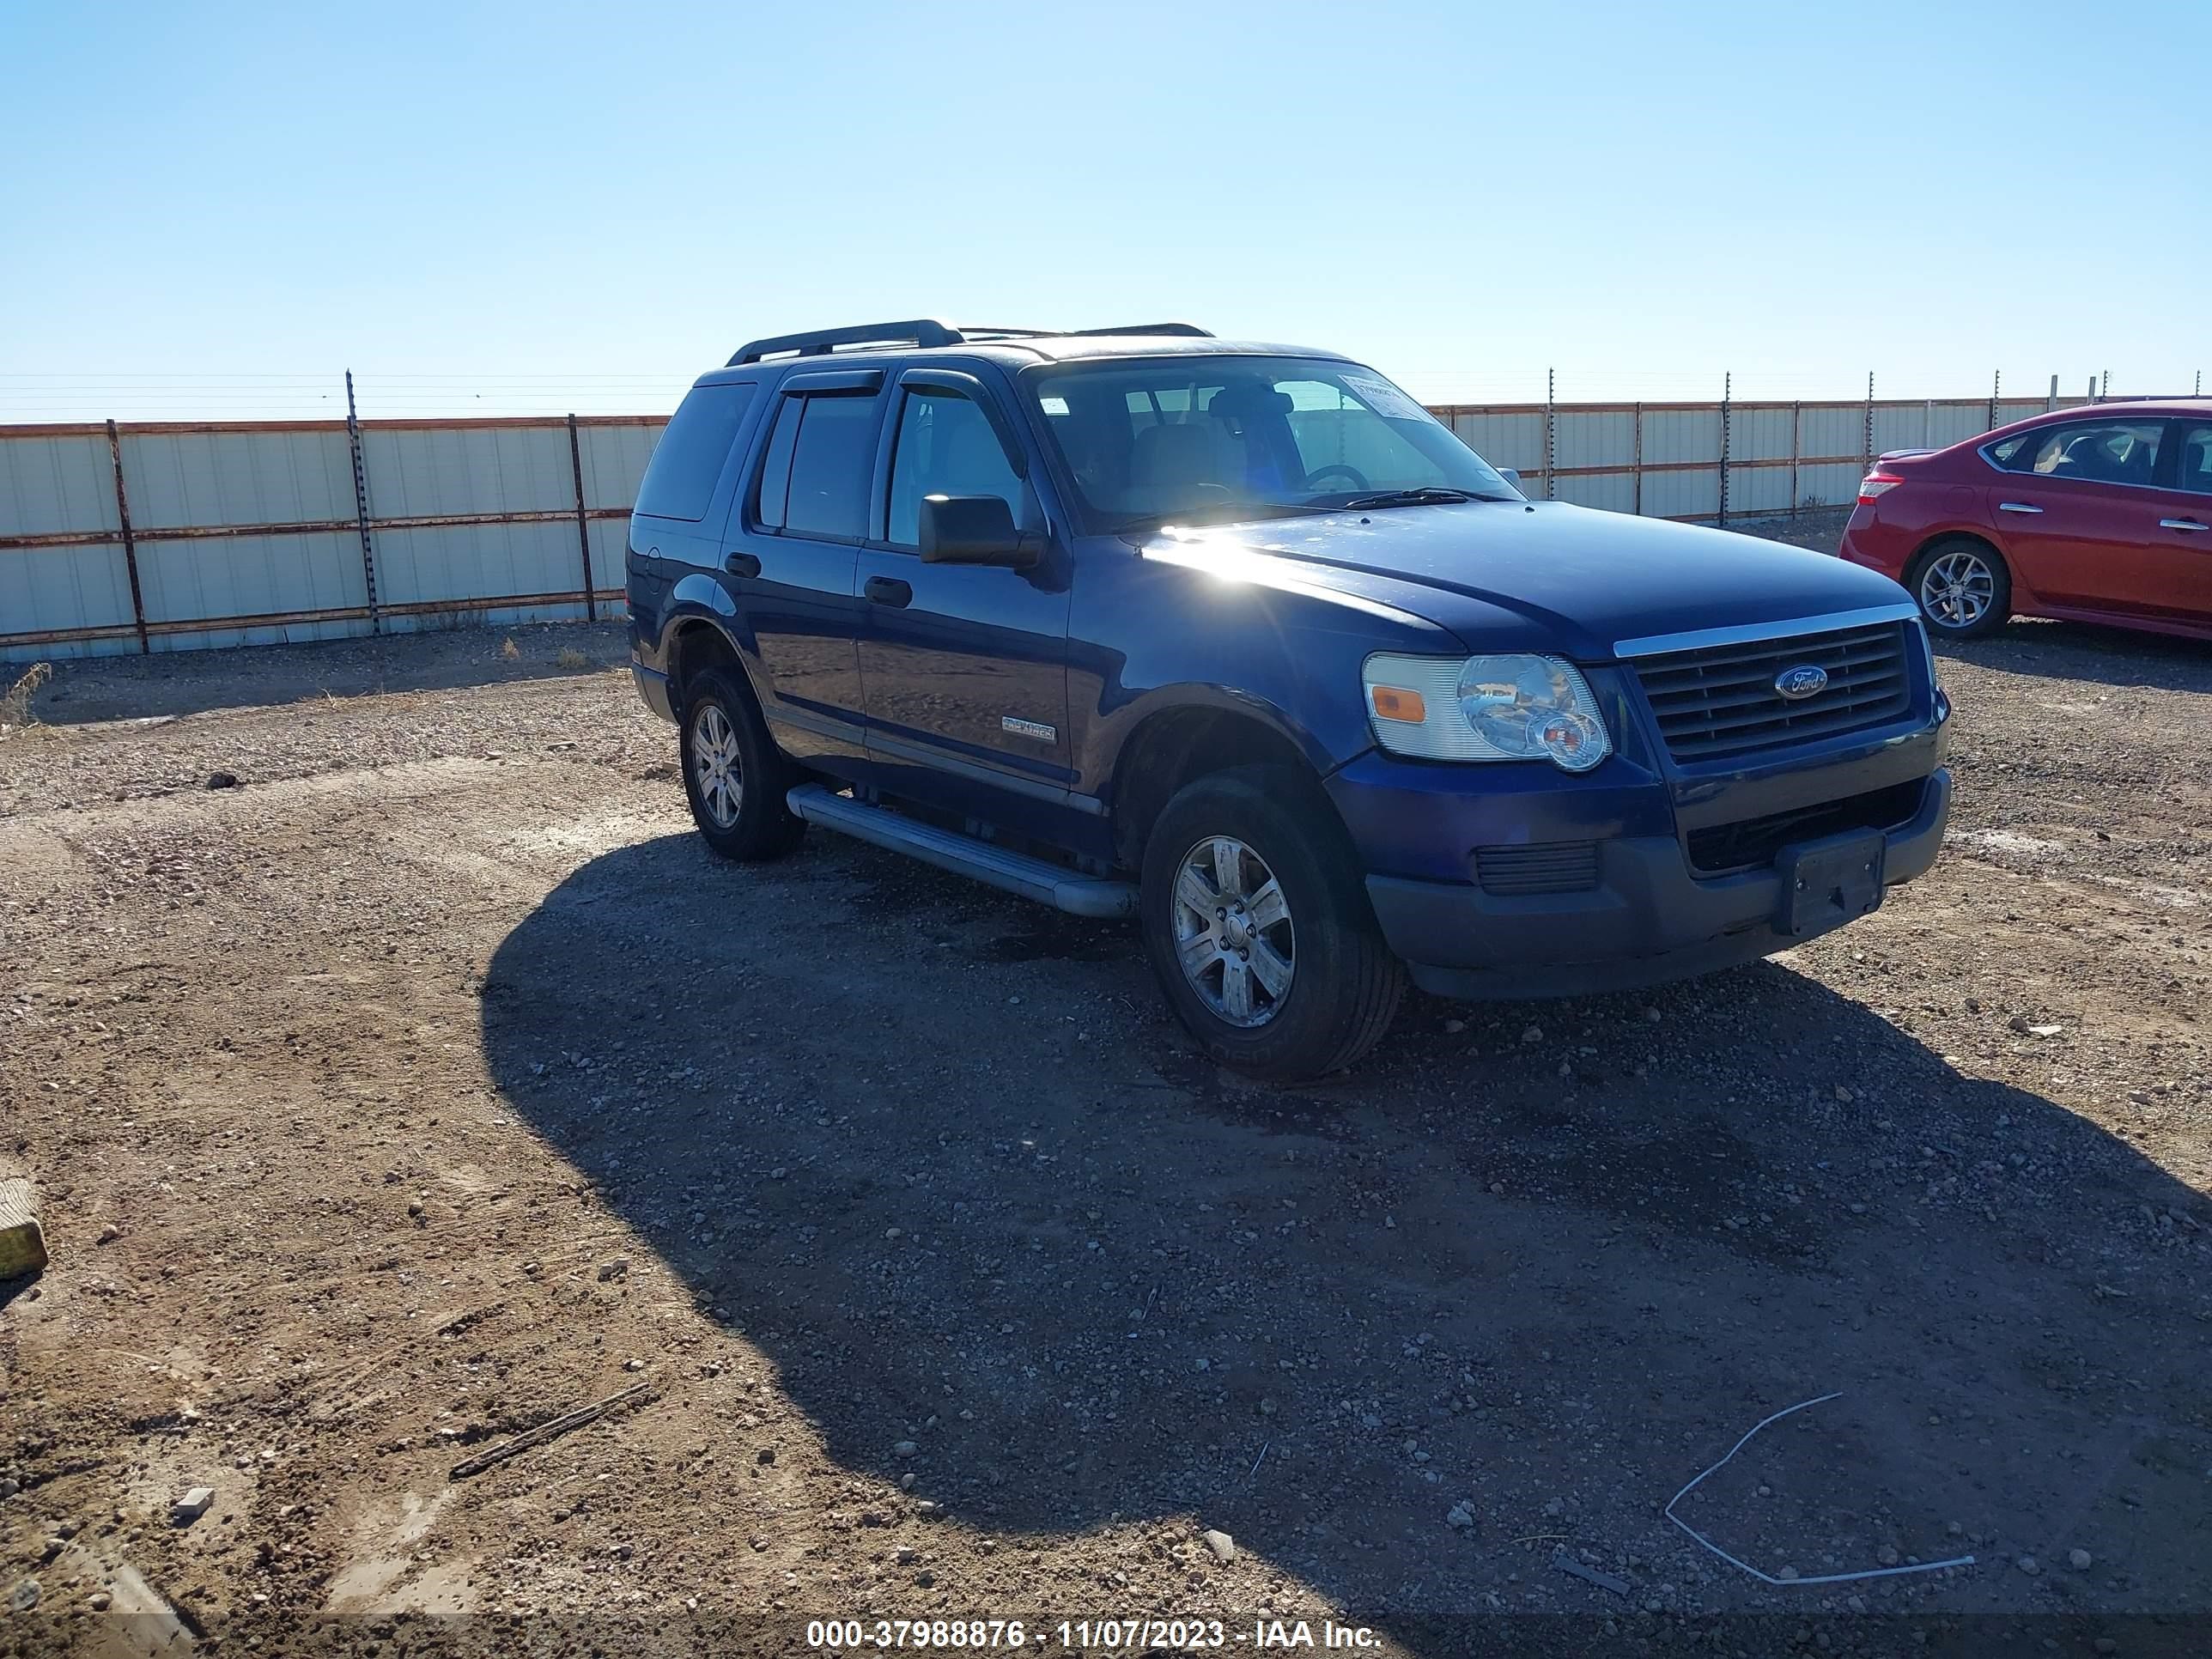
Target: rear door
791 553
2075 510
964 666
2182 540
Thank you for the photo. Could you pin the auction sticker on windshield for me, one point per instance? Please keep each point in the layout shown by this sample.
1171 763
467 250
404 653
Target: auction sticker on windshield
1385 400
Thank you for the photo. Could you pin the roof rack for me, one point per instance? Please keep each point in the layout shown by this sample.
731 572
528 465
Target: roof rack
922 331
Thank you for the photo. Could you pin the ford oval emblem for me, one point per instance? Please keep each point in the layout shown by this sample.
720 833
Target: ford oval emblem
1806 679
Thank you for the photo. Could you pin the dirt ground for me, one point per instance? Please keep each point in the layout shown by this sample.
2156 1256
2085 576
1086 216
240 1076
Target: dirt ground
434 1081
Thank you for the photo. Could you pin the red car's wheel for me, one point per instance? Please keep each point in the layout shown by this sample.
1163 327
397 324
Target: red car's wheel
1962 587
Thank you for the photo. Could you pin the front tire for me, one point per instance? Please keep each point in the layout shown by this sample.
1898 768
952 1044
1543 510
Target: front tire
1258 928
1962 587
734 775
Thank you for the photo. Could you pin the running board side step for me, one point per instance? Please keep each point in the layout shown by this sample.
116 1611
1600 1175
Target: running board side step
999 866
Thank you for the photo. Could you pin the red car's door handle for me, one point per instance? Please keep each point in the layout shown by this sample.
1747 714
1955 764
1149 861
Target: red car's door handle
2182 524
2017 507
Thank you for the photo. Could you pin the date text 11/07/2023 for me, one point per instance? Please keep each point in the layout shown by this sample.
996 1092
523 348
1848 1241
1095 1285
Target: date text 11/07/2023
1087 1635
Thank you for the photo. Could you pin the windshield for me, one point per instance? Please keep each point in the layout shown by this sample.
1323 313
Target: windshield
1197 437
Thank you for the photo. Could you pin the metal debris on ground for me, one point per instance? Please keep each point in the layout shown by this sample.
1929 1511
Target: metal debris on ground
1567 1563
1769 1578
550 1430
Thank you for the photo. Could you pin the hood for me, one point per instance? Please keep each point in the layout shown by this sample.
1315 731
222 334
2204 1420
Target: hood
1539 575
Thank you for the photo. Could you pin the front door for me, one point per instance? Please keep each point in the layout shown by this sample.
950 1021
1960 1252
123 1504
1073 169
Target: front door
963 667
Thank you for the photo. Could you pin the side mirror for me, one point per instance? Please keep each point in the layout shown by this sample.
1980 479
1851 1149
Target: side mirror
972 530
1510 475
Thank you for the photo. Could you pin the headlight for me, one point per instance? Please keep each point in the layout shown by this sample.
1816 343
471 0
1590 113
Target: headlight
1484 709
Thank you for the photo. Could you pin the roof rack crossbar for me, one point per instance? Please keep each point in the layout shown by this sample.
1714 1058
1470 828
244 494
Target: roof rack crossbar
920 331
1187 330
923 331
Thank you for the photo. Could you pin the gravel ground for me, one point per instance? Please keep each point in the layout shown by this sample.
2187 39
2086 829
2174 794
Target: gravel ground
434 1081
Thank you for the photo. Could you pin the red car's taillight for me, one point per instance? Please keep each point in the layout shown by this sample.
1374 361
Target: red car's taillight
1875 482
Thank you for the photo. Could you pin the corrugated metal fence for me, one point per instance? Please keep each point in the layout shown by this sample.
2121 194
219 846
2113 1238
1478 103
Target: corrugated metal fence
1717 461
170 536
176 536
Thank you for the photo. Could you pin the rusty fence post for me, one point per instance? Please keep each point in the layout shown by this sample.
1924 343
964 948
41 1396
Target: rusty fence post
1639 459
1728 382
1796 449
130 543
583 523
361 510
1551 448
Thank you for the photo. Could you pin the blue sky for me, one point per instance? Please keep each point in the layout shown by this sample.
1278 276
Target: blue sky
216 209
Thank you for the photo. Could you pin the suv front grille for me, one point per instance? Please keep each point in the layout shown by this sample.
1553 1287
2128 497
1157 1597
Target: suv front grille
1720 701
1751 843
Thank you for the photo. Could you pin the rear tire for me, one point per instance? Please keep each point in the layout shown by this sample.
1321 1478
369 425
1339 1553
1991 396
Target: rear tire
734 775
1962 587
1259 928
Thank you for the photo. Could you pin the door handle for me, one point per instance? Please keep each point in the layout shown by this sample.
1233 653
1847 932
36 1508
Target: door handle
2017 507
2182 524
741 564
889 590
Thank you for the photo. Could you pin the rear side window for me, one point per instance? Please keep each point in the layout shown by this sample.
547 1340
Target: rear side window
2196 460
814 480
679 481
2089 452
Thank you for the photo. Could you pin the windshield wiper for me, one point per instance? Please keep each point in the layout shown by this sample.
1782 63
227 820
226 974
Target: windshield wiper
1424 496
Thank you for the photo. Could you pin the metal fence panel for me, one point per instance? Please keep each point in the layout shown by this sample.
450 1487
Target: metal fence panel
430 471
1832 431
1833 485
54 482
1760 489
1760 433
1899 425
610 539
614 456
1512 438
429 571
238 476
1675 436
252 590
1613 491
1685 493
1604 438
81 589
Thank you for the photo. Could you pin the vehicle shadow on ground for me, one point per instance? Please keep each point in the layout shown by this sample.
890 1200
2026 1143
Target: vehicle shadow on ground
2088 652
176 684
944 1162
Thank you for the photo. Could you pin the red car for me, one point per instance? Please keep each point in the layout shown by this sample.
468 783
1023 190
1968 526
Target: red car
2100 513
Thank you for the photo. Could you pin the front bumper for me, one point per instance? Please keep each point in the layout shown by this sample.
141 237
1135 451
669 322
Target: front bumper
1650 918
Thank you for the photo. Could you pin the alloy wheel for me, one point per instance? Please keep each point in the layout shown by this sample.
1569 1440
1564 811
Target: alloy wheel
718 770
1957 590
1233 931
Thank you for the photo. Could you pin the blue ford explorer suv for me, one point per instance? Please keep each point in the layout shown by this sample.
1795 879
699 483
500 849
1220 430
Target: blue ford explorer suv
1238 639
